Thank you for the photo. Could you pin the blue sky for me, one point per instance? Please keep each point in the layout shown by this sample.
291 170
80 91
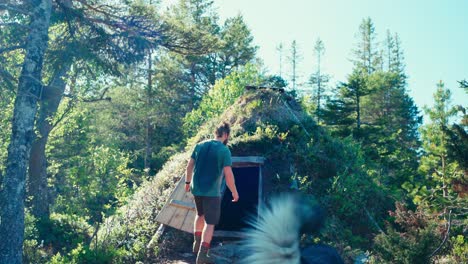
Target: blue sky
434 36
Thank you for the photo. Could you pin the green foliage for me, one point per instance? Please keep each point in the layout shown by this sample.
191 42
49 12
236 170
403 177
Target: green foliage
131 228
460 248
391 119
415 239
9 70
415 235
440 172
220 97
412 248
366 54
94 180
33 250
275 81
65 231
85 254
346 108
230 45
5 126
63 234
100 184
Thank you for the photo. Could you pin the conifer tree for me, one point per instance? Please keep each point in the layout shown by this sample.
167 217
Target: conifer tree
280 49
440 171
318 80
294 59
458 143
366 53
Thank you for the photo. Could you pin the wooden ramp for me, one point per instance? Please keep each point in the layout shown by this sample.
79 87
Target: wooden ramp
179 211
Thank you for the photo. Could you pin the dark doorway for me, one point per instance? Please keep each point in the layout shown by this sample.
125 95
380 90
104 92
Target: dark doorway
235 215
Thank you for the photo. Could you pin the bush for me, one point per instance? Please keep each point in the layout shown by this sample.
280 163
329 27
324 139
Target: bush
65 232
224 93
412 241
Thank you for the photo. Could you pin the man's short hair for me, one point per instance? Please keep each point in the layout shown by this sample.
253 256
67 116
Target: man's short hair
222 128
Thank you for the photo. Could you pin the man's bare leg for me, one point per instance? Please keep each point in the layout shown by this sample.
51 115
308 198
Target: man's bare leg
203 256
199 223
198 226
208 231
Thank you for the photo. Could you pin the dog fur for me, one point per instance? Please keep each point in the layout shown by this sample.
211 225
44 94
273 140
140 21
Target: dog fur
275 234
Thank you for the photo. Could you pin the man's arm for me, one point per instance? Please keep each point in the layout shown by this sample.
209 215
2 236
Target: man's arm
189 174
231 183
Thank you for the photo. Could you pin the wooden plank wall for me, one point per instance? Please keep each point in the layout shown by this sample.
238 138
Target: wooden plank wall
174 215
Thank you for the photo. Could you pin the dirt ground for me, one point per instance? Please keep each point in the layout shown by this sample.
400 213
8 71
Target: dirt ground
225 252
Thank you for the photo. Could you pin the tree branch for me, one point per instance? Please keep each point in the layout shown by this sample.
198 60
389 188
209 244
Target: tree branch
14 9
2 50
7 75
373 221
7 24
101 98
463 83
64 114
449 224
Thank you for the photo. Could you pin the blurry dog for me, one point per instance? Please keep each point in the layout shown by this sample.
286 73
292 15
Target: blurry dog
275 234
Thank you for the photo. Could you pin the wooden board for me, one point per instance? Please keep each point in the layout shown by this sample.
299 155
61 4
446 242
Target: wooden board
177 212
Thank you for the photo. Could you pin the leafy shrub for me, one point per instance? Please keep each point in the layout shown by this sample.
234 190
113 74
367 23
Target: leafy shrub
413 240
224 93
460 249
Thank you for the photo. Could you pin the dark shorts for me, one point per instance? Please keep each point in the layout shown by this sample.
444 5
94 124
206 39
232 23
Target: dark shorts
210 207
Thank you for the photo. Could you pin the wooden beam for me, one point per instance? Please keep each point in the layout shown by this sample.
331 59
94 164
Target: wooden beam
182 204
221 233
248 159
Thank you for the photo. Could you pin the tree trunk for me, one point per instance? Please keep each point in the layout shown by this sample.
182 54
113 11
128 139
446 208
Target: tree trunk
29 91
37 183
149 134
358 111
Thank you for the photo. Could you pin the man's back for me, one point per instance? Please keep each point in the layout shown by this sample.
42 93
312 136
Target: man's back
210 158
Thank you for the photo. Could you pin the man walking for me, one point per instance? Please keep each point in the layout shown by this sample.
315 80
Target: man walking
209 160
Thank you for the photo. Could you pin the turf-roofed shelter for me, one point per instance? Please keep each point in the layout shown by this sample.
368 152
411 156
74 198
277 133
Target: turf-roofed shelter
276 146
259 106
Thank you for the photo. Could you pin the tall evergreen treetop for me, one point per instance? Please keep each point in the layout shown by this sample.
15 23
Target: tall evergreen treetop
436 165
318 80
294 58
367 53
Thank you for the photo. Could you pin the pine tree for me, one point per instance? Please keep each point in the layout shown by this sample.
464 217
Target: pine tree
319 80
355 89
458 143
344 109
237 48
230 45
280 49
366 54
391 121
338 115
439 170
294 59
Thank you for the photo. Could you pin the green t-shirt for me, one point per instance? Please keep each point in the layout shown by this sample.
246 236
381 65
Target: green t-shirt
210 157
